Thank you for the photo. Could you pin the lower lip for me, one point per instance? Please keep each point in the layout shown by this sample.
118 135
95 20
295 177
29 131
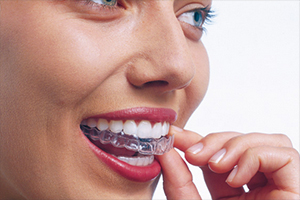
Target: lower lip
130 172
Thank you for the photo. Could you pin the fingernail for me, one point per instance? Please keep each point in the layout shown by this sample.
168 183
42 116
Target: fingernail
175 129
195 148
218 156
232 174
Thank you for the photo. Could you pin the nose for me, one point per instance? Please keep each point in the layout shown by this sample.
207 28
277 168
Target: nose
163 59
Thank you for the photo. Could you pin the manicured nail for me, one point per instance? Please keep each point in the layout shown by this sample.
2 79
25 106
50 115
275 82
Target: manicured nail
176 128
195 148
218 156
232 174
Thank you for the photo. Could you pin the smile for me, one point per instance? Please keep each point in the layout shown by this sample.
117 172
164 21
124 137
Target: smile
137 143
130 137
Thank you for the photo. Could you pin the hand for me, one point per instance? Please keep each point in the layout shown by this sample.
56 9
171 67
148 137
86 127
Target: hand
266 163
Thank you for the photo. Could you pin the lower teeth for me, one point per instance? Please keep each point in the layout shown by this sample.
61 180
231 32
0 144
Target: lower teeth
137 161
149 146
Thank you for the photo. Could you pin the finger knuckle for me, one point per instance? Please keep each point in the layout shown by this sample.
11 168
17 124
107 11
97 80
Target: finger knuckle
250 152
283 139
294 154
238 140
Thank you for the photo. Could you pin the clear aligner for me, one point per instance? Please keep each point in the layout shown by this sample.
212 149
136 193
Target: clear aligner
148 146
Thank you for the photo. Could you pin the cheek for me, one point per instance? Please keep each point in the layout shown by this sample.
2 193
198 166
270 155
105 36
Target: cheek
201 79
39 76
61 62
200 82
195 92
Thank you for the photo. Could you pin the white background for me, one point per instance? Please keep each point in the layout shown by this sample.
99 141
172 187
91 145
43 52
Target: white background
254 87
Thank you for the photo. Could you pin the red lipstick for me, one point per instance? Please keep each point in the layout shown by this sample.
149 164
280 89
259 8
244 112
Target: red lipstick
131 172
142 113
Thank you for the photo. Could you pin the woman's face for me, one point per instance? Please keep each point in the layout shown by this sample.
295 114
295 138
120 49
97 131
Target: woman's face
69 62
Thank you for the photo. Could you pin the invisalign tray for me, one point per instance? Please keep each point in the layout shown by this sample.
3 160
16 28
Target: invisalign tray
148 146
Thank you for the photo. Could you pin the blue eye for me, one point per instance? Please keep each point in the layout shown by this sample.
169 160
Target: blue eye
106 2
198 20
193 18
197 17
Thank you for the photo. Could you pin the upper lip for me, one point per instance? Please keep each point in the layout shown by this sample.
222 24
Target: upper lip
141 113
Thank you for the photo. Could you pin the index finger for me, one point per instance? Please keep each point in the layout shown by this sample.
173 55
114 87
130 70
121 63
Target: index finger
184 139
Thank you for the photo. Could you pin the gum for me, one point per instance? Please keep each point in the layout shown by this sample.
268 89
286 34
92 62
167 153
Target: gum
149 146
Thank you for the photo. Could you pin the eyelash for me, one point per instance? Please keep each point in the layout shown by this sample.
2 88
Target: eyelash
99 7
208 16
206 13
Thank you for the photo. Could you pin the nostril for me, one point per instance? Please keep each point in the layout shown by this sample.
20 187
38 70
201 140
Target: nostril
158 83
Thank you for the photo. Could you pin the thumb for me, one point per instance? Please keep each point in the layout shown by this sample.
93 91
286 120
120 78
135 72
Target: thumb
177 178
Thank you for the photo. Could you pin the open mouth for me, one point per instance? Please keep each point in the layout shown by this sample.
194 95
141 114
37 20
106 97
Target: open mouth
132 141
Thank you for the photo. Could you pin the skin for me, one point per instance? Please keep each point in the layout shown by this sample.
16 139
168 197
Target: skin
58 66
266 163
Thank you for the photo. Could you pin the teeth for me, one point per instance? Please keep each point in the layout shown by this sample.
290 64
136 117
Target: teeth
156 130
143 146
130 128
137 161
102 124
116 126
165 128
143 130
92 123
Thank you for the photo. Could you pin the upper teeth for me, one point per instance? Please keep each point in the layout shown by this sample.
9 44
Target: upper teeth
144 129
